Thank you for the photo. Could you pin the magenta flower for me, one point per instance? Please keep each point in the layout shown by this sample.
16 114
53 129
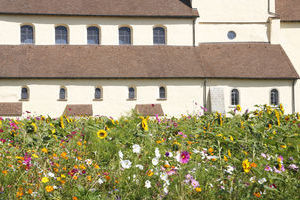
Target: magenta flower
184 157
182 134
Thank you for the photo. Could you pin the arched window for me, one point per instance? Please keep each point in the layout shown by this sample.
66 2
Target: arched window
159 35
235 97
27 34
62 93
98 93
24 93
93 35
131 94
162 93
124 36
61 35
274 97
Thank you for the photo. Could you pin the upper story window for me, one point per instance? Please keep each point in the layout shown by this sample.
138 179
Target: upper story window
235 97
124 36
93 35
24 93
62 93
274 97
159 36
162 92
61 35
98 93
27 34
131 93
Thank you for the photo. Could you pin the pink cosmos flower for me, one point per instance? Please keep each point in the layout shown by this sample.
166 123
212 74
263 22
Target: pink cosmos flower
194 183
157 119
268 168
182 134
184 157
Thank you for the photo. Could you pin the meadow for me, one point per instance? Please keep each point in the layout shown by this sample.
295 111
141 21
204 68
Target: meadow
249 155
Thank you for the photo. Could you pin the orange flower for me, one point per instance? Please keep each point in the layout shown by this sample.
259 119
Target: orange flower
44 150
257 194
75 177
79 143
150 173
210 150
253 165
30 191
74 198
49 188
4 172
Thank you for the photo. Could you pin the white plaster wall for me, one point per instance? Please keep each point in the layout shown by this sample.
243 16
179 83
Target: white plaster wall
182 95
214 32
232 10
254 92
179 31
290 41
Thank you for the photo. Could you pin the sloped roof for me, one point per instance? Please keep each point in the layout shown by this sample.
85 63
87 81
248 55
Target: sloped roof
250 60
289 10
147 8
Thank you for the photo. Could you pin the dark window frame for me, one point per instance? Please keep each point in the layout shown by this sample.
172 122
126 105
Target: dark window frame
162 92
125 35
235 97
274 97
98 96
62 93
27 34
159 35
131 93
61 35
93 35
24 93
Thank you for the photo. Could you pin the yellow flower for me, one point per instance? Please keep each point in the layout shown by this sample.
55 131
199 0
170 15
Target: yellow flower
210 150
198 189
49 188
102 134
150 173
62 125
281 108
44 150
34 127
34 155
229 153
45 179
79 143
238 108
0 123
231 138
225 158
53 131
246 166
283 146
145 123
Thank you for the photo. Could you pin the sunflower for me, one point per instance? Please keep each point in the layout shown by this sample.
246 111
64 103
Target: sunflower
238 108
102 134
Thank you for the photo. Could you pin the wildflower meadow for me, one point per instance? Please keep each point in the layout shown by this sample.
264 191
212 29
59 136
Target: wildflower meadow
244 155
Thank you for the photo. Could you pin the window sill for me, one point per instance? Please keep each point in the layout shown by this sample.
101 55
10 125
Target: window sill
133 99
231 106
23 99
161 99
62 99
98 99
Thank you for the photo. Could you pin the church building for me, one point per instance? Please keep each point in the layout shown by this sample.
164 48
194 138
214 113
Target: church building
159 57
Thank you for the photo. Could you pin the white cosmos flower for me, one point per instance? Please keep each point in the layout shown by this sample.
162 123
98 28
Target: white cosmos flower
157 154
148 184
140 167
126 164
262 181
166 190
100 181
50 174
88 161
252 179
155 161
121 155
164 176
229 169
136 148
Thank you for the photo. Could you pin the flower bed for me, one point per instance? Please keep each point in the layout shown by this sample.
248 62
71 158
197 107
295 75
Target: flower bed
247 156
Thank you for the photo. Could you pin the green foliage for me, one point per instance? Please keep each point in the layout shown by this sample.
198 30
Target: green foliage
80 162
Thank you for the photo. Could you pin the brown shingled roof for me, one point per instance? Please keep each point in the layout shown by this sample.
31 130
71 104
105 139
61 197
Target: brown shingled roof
150 8
253 60
289 10
79 110
10 109
149 109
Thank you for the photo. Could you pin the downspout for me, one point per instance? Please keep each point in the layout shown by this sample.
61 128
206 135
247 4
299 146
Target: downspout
204 93
293 97
194 32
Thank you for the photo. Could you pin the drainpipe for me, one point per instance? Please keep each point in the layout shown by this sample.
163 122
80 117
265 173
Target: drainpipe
293 97
194 32
204 93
